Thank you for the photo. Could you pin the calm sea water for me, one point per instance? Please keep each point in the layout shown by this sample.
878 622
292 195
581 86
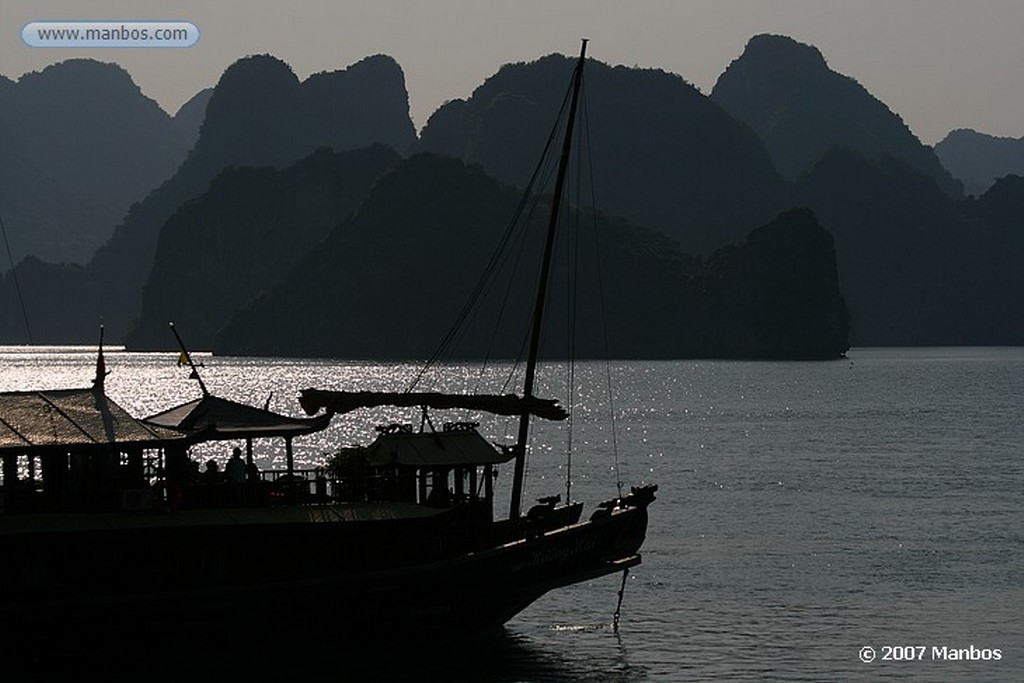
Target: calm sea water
806 511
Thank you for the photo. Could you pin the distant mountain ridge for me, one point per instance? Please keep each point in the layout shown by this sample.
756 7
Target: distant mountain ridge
244 235
189 117
258 115
978 160
917 263
389 282
671 159
800 108
41 215
79 142
920 267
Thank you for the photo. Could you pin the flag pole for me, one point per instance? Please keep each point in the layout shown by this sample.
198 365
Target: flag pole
188 357
101 365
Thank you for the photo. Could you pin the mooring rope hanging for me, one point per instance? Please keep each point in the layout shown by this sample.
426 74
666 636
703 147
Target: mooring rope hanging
618 607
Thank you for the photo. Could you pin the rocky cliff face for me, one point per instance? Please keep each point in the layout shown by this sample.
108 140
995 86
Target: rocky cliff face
775 295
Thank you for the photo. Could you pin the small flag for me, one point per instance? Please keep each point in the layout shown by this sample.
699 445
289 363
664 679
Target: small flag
101 365
183 359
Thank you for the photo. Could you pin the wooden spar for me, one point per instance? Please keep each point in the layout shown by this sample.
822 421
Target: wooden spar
339 402
542 287
188 357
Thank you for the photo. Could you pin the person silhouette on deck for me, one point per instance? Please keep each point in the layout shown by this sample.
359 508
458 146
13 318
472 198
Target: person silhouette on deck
235 472
211 475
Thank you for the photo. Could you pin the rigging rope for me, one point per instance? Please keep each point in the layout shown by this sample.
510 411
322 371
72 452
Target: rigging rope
603 307
508 257
14 278
487 277
510 248
573 296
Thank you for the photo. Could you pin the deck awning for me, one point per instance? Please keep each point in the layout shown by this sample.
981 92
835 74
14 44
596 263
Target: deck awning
434 449
214 419
72 419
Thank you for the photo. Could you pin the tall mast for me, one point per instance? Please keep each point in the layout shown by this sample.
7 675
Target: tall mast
542 287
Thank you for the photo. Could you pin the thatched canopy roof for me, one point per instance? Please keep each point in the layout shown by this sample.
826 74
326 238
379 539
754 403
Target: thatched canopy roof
213 419
72 419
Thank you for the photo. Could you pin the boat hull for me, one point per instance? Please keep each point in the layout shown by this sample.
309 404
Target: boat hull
467 591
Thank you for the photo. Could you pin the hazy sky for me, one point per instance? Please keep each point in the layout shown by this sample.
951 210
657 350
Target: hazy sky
940 64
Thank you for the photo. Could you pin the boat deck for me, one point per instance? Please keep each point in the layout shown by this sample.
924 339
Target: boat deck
299 514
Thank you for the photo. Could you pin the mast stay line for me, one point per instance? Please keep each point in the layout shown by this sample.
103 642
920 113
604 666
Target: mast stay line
542 287
14 278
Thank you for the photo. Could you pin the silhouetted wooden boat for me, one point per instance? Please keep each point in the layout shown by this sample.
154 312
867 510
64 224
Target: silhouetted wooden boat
105 521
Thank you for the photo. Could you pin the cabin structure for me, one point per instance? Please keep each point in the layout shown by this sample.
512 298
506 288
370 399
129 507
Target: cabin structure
77 450
434 468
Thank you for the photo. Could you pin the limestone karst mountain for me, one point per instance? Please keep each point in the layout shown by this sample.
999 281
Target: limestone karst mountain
800 108
79 143
390 281
259 114
978 160
917 262
244 235
667 157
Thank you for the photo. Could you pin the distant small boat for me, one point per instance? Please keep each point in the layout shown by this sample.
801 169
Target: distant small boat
104 518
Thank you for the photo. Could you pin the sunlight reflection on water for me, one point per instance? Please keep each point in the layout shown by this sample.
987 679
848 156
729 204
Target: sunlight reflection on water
805 509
